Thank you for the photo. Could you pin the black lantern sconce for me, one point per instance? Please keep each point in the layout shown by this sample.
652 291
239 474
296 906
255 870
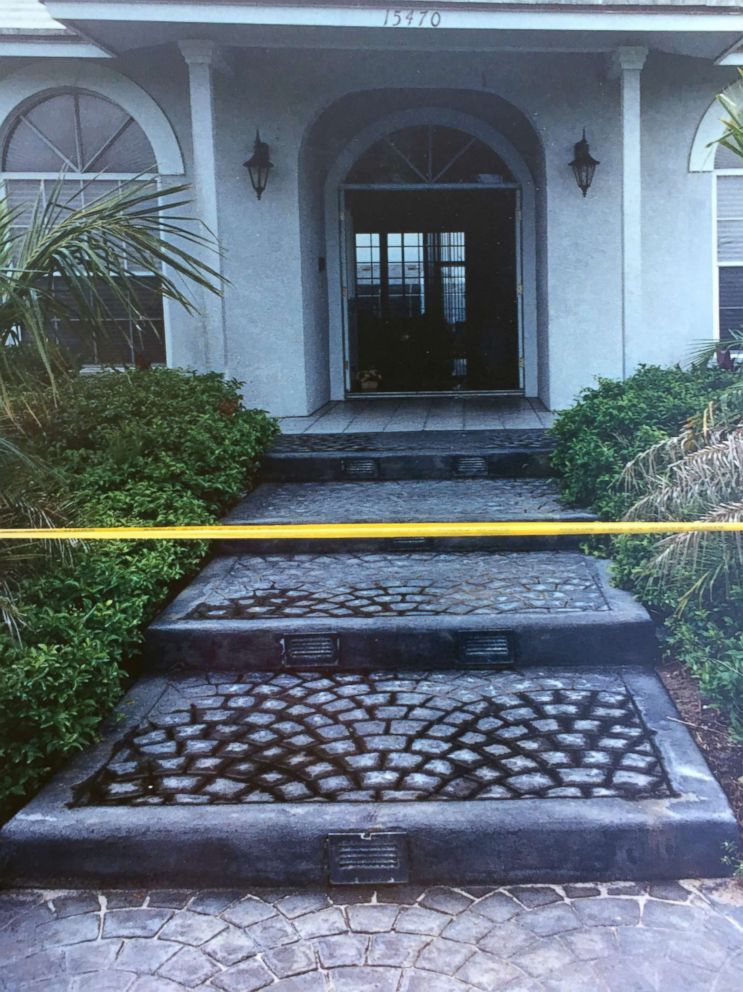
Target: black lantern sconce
583 165
259 165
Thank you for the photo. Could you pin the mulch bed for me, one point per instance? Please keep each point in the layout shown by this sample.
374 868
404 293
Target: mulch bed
711 732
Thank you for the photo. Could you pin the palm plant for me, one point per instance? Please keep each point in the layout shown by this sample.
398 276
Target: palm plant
696 475
78 263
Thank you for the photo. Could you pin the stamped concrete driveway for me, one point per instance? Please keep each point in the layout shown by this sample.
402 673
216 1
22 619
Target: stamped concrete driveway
675 937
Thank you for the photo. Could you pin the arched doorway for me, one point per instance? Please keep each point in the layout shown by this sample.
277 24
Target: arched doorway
431 266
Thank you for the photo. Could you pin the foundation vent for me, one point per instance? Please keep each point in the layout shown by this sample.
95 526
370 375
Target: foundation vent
486 647
375 858
310 650
410 544
470 467
360 468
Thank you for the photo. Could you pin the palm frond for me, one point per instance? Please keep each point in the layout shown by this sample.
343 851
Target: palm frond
81 263
704 478
701 560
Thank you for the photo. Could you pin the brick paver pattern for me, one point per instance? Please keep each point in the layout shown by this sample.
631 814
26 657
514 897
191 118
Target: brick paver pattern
674 937
262 737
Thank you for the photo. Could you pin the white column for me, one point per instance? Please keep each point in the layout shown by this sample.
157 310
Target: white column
627 64
201 56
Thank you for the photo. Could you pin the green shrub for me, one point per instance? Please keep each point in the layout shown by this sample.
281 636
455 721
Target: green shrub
160 447
163 426
710 643
614 421
607 427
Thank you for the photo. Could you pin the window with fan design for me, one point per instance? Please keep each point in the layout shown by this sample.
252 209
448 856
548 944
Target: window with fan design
77 146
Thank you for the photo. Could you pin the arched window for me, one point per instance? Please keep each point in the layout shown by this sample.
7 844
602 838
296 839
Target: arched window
729 197
429 155
94 145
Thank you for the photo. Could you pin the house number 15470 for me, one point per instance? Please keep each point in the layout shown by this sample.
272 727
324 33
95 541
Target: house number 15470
407 18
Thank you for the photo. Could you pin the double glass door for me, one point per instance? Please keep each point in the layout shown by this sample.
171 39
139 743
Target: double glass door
432 291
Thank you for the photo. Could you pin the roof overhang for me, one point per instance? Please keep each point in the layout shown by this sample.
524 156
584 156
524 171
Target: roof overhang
41 44
703 30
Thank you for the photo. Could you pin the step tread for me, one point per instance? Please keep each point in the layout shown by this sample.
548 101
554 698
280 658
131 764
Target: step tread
405 501
379 585
303 737
413 442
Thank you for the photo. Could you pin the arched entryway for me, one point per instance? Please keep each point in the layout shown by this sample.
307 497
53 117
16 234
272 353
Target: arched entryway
432 262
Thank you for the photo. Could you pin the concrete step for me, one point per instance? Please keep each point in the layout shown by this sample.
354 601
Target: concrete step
307 778
404 501
408 455
369 610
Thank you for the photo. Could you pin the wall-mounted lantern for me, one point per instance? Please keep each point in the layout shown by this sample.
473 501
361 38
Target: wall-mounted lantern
583 165
259 165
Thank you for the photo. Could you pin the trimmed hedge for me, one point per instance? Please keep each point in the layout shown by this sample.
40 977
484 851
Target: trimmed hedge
136 447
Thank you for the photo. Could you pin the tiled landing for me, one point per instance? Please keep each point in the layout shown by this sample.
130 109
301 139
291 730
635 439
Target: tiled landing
422 414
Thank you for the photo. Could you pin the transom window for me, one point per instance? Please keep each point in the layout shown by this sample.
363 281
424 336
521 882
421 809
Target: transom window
79 146
429 155
76 132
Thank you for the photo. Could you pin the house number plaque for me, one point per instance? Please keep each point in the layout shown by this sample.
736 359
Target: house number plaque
411 18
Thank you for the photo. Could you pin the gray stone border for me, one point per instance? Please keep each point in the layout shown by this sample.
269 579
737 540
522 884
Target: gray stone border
485 841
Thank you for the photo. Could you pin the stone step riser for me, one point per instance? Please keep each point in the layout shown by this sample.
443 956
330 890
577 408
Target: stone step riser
447 844
597 640
360 545
339 467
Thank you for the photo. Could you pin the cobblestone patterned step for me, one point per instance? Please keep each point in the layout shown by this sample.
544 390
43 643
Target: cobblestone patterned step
404 501
467 777
375 585
245 738
392 609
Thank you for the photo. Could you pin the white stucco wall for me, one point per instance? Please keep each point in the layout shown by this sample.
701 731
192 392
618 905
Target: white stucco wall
308 106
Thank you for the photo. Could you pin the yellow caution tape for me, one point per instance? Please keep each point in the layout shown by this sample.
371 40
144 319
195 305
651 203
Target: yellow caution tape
494 528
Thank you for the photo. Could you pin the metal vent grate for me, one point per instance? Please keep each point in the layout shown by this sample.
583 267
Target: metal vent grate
360 468
313 650
410 544
470 467
379 858
482 647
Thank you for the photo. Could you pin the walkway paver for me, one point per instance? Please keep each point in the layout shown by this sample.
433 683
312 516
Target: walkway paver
622 937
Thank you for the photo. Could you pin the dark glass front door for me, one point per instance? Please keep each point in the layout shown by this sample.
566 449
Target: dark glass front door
432 293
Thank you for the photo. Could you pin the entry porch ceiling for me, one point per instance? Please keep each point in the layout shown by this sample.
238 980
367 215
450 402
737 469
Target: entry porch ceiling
685 27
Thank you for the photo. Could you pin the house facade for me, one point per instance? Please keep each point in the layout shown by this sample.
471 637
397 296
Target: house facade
422 229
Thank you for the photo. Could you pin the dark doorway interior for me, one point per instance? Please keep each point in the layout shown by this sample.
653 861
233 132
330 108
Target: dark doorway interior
432 298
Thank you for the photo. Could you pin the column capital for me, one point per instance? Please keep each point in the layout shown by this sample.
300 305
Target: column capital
627 58
199 51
